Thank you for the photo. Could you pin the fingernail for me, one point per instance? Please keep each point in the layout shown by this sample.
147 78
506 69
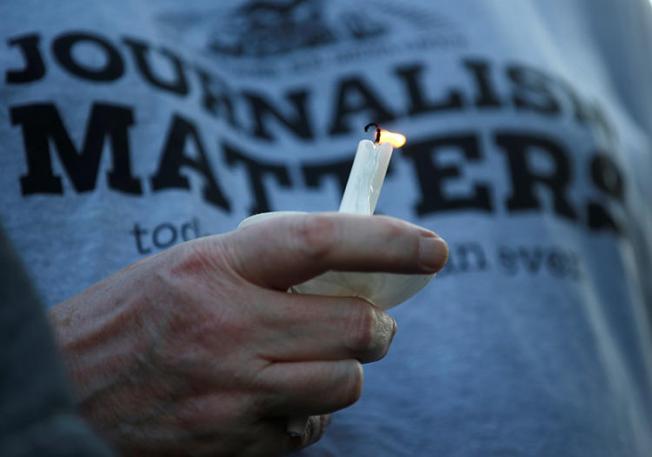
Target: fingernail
433 253
315 429
323 422
297 426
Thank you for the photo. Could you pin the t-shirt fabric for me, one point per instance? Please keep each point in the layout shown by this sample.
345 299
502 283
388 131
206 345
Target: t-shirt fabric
128 127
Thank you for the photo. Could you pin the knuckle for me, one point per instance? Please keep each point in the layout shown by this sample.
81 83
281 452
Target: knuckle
193 257
315 235
371 333
393 227
405 242
353 384
363 329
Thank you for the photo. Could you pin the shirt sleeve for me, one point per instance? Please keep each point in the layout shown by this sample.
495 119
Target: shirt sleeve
37 416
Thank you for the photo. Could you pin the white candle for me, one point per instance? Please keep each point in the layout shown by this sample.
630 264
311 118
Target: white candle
360 197
368 173
366 178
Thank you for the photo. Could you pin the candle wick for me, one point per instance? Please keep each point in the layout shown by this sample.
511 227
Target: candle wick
373 124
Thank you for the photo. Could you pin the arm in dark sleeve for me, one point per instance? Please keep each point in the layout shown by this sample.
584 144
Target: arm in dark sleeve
37 416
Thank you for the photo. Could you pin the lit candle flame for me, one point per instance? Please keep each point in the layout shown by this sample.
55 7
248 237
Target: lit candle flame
395 139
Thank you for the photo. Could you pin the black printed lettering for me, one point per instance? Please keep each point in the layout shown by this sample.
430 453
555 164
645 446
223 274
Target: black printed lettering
138 234
175 158
42 128
412 78
587 112
216 97
190 230
432 176
581 111
314 174
538 260
34 68
607 177
486 95
113 68
531 259
256 172
177 84
466 257
354 97
563 264
599 118
532 90
297 121
164 235
519 149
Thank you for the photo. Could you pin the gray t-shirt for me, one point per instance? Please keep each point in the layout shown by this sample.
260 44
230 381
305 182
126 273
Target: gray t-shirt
130 126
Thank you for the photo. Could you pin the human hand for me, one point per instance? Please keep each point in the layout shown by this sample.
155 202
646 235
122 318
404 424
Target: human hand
200 351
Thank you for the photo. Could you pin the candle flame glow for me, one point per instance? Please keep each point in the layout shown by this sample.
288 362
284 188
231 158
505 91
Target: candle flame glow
395 139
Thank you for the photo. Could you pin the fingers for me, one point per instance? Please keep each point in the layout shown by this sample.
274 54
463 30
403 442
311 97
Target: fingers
305 327
310 388
287 250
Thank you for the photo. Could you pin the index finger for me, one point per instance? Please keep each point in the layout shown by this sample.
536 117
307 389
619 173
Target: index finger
287 250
